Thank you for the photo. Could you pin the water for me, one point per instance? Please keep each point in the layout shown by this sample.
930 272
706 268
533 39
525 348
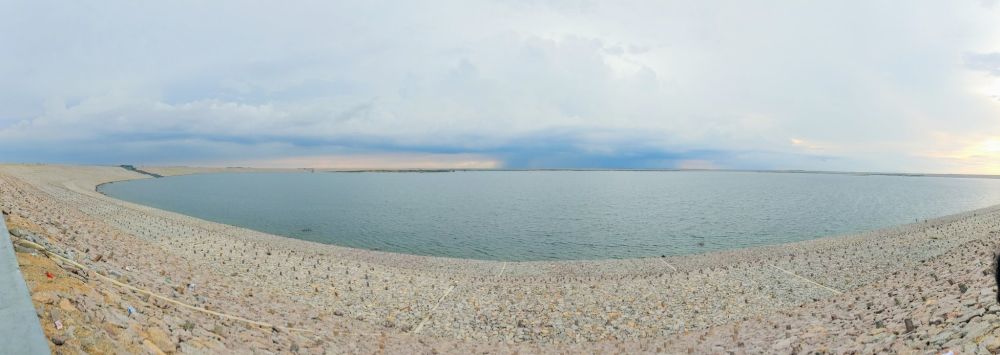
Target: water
544 215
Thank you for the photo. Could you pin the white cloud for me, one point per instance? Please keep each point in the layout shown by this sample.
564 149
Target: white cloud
988 62
870 81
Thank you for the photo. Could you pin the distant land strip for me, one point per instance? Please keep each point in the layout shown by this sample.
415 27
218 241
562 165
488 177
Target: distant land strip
187 170
856 173
140 171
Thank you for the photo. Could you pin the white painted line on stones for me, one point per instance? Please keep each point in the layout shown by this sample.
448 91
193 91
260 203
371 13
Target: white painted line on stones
807 280
89 271
428 316
668 264
502 269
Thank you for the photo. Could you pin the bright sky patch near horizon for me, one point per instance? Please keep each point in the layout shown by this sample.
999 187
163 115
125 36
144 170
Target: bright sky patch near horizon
838 85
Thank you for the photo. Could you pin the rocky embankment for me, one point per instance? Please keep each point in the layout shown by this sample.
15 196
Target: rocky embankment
921 287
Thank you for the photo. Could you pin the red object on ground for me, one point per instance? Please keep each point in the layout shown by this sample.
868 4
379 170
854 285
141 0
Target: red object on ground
49 275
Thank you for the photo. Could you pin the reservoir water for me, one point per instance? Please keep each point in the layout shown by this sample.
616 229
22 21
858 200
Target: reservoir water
545 215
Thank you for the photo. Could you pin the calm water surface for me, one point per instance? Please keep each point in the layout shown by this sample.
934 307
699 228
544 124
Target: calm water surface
541 215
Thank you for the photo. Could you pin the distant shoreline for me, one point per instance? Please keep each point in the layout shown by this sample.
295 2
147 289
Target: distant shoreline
166 171
186 170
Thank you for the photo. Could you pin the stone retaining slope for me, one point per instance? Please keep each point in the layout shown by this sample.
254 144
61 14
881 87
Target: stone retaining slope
918 288
20 332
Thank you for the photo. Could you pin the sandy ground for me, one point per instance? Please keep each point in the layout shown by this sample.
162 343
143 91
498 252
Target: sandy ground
921 287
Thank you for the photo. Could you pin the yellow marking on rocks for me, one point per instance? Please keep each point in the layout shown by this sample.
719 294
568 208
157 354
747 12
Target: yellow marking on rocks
429 313
808 280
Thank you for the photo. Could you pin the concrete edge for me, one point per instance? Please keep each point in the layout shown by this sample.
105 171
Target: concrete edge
20 331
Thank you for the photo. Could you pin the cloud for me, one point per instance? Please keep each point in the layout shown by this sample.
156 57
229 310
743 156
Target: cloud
372 161
525 84
988 62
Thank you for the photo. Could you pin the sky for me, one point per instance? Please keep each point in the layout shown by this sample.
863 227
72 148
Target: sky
866 85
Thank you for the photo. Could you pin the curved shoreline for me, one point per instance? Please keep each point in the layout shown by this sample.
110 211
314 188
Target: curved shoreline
895 228
543 268
743 300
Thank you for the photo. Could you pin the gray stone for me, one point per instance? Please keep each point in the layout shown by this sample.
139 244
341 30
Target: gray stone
969 315
976 330
785 343
941 337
